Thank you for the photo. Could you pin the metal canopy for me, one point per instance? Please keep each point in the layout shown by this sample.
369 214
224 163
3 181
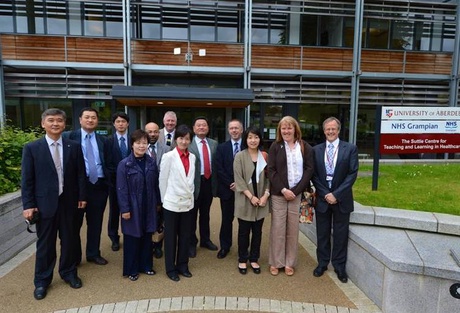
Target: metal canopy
182 96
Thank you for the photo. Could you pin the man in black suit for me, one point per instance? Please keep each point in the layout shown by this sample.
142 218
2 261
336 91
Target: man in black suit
225 154
95 152
53 184
204 149
336 169
119 147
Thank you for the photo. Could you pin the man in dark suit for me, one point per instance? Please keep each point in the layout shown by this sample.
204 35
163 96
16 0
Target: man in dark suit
204 149
336 169
95 152
119 147
156 150
53 184
225 154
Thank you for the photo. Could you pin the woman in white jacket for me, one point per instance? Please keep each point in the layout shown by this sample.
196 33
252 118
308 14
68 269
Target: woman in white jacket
177 172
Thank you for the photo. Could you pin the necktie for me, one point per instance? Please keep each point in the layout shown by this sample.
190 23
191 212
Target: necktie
58 165
168 140
92 169
123 148
236 150
153 153
330 162
206 162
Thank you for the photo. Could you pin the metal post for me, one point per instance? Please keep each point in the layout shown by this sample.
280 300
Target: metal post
356 71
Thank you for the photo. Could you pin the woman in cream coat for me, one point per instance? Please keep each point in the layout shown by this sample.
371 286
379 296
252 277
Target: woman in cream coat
177 172
251 198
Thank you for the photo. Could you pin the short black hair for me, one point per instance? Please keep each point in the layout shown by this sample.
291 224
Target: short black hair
200 118
252 130
137 135
182 131
90 109
123 115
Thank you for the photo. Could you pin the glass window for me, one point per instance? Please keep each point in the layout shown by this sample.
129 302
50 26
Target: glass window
402 35
114 20
376 34
309 30
349 32
75 19
56 23
93 24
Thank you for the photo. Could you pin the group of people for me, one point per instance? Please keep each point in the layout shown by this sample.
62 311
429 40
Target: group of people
164 180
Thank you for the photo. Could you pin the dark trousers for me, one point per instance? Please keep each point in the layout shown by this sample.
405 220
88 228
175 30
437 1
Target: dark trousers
96 195
249 248
226 227
339 222
176 240
137 254
114 215
63 222
202 206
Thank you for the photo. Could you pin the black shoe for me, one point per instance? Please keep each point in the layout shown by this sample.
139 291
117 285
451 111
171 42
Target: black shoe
186 273
115 245
209 245
319 271
174 277
255 269
150 272
40 293
98 260
133 277
222 253
157 253
74 282
342 275
242 270
192 252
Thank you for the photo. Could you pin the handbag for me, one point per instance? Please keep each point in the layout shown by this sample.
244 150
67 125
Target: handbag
307 205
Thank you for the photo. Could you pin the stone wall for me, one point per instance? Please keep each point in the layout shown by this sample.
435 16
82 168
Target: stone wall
13 231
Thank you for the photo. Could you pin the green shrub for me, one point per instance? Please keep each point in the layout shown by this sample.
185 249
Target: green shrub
12 140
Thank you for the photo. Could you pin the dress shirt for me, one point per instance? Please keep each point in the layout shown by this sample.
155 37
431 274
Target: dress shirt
185 160
336 151
52 148
200 150
100 172
294 164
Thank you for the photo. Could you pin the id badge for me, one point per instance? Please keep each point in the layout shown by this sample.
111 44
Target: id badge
329 178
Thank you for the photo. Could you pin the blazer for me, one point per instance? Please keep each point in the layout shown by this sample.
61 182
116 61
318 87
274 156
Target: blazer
176 187
161 138
103 147
277 168
243 167
138 194
223 162
345 173
115 154
39 178
161 149
193 148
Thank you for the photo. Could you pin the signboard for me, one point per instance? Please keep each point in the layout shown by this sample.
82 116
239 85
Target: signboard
420 130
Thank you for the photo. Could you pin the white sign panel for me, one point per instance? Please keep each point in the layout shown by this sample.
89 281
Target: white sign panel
421 113
420 127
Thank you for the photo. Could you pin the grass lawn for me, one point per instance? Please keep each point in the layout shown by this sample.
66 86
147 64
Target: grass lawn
422 187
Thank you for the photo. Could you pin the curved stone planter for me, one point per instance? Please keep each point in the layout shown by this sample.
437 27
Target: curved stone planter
13 231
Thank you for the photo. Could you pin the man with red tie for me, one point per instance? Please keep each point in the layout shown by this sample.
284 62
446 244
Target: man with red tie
204 149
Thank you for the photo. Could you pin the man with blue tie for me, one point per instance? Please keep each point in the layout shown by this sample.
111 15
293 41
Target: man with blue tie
53 186
118 147
336 169
225 154
96 155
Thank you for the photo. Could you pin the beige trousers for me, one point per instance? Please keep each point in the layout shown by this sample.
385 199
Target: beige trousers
284 232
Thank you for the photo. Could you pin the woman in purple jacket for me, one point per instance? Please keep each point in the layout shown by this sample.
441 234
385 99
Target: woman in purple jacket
138 198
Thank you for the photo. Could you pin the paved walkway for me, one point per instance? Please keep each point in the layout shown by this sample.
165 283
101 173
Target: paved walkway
211 300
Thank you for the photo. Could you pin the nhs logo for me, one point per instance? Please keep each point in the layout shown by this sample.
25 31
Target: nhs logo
451 125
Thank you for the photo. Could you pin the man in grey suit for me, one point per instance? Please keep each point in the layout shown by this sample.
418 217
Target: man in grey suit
336 169
204 149
54 186
156 150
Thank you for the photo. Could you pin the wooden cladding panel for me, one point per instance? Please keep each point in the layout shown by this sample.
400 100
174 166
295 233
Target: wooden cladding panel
161 53
276 57
100 50
319 59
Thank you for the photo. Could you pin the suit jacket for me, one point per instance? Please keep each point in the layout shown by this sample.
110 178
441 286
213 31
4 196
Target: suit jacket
102 144
115 155
345 173
277 169
161 149
193 148
176 187
161 138
40 183
223 162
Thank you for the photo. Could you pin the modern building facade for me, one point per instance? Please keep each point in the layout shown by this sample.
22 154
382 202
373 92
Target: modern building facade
267 59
